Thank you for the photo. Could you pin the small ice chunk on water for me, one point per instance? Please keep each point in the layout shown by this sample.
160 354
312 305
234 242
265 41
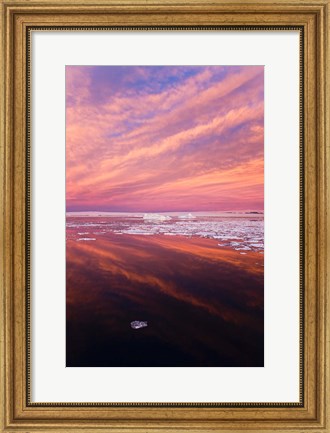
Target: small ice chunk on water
86 239
137 324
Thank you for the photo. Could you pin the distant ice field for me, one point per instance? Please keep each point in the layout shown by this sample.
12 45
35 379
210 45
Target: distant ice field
240 231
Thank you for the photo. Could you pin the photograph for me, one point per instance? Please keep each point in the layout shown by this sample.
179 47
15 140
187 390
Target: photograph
164 216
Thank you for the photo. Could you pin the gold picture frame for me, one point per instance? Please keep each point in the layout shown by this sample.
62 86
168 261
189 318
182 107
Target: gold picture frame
18 413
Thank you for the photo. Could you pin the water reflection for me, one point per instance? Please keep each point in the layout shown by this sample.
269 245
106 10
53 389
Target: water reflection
203 304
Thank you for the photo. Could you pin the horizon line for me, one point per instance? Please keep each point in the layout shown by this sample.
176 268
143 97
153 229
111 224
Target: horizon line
164 211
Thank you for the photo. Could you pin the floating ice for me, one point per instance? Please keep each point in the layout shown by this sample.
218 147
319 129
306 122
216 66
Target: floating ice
137 324
240 234
189 216
155 217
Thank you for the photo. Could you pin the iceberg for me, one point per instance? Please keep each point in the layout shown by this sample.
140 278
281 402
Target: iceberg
155 217
189 216
137 324
240 234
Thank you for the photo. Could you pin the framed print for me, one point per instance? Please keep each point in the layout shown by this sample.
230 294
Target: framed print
165 231
177 220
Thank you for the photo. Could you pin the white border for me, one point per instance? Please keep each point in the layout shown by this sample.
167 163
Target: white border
278 381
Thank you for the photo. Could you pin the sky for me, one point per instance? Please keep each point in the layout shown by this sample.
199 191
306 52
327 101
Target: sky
164 138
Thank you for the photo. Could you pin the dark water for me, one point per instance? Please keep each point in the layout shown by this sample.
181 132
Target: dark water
203 303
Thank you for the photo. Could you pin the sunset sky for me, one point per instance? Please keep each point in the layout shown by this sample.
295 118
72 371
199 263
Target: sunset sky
164 138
